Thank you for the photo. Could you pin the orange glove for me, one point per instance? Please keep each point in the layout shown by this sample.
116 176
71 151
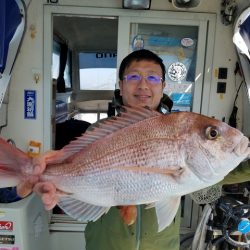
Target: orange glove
128 214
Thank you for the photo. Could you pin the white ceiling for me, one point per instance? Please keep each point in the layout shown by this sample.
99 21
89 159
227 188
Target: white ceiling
87 33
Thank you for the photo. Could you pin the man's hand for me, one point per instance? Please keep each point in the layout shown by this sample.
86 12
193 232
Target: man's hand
26 187
46 190
48 193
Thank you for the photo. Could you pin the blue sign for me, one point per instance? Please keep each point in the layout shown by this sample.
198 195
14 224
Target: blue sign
163 41
29 104
184 99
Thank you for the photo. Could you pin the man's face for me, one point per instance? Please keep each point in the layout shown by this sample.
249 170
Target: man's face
142 93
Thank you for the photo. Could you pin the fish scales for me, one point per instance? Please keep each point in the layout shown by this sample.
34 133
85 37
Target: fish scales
103 150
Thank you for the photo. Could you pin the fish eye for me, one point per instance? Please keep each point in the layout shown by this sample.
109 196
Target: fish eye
212 133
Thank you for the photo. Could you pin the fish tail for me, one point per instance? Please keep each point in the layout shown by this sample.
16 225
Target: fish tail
13 163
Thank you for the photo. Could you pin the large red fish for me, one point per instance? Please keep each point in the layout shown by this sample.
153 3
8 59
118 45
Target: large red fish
140 157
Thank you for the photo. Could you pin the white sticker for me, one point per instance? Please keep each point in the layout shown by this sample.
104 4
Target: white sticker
177 71
187 42
138 43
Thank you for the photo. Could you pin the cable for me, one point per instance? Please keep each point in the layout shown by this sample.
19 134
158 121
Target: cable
233 117
138 227
238 92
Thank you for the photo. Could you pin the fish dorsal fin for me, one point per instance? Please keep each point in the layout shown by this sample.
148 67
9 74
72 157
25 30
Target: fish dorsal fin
80 210
99 130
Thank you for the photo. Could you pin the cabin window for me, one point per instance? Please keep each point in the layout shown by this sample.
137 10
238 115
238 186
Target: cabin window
55 59
97 71
92 110
67 72
90 117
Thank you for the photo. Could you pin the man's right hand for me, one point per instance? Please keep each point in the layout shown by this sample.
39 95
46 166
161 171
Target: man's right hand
48 193
46 190
26 187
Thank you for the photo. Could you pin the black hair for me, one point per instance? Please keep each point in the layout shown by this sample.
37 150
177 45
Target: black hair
140 55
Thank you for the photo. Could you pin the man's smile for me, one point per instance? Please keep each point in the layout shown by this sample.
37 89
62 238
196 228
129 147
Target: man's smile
142 97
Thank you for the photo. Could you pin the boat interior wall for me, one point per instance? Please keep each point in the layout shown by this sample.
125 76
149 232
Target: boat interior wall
29 227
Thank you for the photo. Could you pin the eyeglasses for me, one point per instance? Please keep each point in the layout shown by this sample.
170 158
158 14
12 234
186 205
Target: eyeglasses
136 78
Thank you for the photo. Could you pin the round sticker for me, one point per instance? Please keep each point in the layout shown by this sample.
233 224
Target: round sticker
177 71
187 42
138 43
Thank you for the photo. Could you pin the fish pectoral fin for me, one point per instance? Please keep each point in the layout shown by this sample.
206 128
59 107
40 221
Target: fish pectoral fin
173 170
166 211
80 210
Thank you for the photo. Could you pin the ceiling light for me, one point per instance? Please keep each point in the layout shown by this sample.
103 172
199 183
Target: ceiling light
136 4
186 3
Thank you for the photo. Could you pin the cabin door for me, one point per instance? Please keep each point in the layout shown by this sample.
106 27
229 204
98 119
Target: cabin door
186 48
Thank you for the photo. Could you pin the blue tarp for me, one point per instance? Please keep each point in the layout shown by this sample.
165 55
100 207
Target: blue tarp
241 39
10 18
245 32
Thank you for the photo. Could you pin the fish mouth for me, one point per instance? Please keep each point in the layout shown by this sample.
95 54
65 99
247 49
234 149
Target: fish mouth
243 147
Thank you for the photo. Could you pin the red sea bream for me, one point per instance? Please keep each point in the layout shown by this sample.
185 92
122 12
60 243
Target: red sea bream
139 157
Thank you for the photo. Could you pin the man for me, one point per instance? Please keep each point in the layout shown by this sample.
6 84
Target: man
141 81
